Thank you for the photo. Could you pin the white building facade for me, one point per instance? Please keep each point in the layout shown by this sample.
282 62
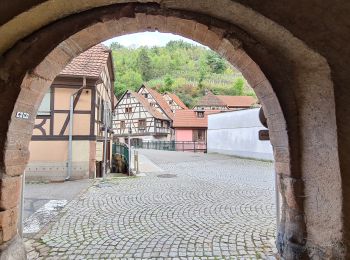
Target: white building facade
237 133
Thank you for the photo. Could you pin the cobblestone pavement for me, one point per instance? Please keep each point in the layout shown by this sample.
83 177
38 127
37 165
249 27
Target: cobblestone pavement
200 207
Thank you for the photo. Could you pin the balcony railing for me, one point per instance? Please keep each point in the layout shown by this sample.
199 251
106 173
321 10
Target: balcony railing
184 146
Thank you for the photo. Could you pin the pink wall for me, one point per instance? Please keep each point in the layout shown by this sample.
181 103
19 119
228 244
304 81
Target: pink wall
183 135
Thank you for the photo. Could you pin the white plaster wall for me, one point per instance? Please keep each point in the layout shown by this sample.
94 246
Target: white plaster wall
237 133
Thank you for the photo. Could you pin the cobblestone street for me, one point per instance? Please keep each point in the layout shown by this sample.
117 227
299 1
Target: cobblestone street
198 206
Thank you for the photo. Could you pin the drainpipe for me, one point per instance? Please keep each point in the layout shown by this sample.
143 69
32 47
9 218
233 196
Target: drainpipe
20 219
105 141
129 145
70 131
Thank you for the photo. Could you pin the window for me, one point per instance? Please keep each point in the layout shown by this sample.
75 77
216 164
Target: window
128 110
45 106
128 95
146 95
165 124
122 124
170 102
198 135
200 114
142 123
152 104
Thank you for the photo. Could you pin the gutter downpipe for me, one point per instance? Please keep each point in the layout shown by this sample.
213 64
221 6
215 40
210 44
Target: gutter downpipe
21 217
70 133
105 141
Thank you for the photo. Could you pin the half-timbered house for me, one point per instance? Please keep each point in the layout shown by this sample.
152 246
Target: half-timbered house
174 102
156 101
137 116
89 80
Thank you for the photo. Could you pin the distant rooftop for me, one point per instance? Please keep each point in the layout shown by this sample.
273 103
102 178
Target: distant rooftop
211 100
186 118
238 101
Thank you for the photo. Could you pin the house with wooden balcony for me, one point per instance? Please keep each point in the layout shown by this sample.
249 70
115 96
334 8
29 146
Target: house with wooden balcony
140 116
84 89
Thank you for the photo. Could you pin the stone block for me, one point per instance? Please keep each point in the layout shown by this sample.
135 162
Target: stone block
282 168
80 41
9 192
18 141
276 122
13 249
253 74
8 224
16 157
292 190
49 67
186 28
157 22
234 57
278 138
281 154
212 40
200 32
263 89
172 24
130 26
15 170
225 48
30 96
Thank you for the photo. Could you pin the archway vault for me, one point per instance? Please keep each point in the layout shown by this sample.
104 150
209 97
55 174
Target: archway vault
291 81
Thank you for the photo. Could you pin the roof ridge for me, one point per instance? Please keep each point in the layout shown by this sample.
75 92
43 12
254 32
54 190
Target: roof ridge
147 106
161 101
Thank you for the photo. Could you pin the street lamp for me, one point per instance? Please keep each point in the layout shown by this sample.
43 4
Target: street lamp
129 135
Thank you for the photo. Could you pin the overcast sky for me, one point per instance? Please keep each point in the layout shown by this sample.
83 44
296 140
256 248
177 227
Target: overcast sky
147 39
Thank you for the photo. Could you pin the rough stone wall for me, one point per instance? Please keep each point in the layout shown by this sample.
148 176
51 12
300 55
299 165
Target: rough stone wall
299 103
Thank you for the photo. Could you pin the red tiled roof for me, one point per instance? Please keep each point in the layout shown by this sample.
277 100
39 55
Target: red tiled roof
147 106
177 100
89 63
238 101
161 101
186 118
210 100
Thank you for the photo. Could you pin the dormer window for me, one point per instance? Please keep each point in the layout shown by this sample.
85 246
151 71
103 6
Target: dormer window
200 114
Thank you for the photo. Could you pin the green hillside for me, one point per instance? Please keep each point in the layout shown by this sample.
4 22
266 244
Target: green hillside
179 67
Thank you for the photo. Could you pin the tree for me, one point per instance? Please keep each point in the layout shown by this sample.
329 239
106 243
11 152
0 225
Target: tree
238 86
144 65
129 80
115 46
180 67
168 84
179 44
202 73
216 63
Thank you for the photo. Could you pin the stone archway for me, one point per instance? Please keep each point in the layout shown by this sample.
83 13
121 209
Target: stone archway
298 107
